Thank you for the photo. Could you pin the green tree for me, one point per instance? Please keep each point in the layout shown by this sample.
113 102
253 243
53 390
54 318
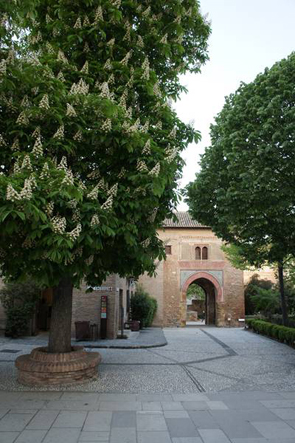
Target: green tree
246 187
289 282
195 291
238 260
252 289
236 256
266 301
90 146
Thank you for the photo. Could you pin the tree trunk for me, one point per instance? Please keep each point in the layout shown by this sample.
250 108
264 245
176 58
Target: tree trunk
61 317
282 292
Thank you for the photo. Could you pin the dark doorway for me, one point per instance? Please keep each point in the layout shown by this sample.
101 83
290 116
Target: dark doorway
201 307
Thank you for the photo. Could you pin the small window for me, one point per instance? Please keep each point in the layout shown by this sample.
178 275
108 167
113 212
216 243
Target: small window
201 253
198 253
204 253
168 250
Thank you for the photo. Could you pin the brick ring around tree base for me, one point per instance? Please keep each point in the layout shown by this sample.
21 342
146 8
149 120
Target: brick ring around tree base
41 368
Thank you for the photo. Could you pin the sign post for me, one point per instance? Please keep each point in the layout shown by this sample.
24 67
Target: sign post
103 316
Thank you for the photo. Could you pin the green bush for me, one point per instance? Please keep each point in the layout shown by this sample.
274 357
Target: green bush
143 307
252 291
153 310
275 331
281 333
19 302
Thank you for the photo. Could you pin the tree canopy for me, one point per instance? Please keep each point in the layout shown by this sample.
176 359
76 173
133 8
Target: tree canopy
194 291
246 187
89 144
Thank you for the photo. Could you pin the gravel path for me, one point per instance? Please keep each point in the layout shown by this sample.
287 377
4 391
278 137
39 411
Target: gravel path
195 360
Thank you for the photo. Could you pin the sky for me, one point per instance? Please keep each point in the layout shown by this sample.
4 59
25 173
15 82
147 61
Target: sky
247 36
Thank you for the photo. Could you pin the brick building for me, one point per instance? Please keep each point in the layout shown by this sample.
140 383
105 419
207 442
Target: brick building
87 306
194 255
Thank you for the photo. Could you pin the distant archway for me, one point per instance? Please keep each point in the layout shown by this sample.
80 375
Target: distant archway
214 294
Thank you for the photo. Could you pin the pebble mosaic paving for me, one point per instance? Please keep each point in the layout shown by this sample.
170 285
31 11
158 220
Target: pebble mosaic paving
208 385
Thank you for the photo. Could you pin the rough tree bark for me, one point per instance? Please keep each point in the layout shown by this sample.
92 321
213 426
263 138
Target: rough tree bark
282 293
61 317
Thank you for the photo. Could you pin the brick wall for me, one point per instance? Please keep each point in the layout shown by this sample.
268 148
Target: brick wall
167 286
265 273
87 306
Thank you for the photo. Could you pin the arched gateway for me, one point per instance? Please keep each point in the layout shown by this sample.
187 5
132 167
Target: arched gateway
194 254
213 291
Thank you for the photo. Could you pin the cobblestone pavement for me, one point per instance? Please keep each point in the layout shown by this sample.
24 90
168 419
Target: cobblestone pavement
146 338
195 360
207 385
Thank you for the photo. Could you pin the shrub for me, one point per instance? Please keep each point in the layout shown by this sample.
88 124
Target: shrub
19 301
143 307
152 312
281 333
266 301
275 331
251 292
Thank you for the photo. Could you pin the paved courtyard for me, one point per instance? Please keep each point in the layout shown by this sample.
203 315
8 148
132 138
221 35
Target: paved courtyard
207 385
195 360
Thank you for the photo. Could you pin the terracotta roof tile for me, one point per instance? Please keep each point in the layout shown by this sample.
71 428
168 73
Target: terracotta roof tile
184 221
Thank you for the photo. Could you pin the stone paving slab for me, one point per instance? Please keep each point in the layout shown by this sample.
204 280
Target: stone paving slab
124 419
173 419
70 419
176 414
152 406
43 420
172 394
99 436
120 406
3 412
29 436
213 436
8 437
181 427
154 437
123 435
62 435
187 440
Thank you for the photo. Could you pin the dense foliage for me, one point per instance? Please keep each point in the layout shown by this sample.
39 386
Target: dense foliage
281 333
252 292
246 187
263 297
19 302
143 307
195 291
90 147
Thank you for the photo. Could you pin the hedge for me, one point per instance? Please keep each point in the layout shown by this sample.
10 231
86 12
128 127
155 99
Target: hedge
281 333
